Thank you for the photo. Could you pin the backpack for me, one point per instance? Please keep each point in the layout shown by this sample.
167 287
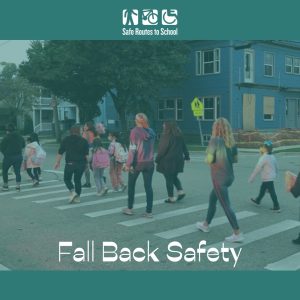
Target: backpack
120 153
100 159
39 155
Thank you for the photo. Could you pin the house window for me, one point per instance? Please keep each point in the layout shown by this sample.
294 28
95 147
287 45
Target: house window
269 108
268 64
296 66
292 65
211 108
208 62
288 64
170 109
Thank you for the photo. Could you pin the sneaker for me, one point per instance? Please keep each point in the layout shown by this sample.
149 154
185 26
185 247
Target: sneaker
202 227
235 238
5 188
148 215
87 185
180 196
254 202
35 183
18 187
115 190
105 191
127 211
123 188
73 196
76 199
275 210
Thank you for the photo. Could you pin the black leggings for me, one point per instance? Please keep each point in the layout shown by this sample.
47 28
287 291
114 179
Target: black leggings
172 180
35 175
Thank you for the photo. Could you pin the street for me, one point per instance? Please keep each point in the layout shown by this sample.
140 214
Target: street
34 221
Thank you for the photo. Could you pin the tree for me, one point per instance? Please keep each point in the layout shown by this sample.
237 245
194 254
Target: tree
133 72
16 93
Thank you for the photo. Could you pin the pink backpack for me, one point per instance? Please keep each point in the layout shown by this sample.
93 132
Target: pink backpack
100 159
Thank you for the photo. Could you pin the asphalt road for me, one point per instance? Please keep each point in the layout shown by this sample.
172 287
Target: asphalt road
35 221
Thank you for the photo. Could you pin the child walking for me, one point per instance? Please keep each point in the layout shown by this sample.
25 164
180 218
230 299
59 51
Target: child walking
31 164
100 161
118 156
268 169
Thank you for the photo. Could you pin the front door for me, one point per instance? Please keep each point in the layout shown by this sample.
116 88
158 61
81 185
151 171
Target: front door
248 111
292 113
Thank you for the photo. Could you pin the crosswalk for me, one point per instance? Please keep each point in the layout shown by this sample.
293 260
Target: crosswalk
53 192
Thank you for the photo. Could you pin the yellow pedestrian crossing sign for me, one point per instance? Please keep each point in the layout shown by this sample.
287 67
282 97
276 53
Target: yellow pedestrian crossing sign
197 107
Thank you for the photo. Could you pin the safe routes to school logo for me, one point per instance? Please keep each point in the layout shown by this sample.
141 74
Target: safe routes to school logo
151 22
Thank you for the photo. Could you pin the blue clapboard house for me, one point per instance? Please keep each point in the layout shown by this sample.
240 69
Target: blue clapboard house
254 84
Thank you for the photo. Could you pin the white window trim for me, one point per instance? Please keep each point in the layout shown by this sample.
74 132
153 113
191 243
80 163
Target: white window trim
199 62
269 120
285 64
215 107
273 65
292 65
175 109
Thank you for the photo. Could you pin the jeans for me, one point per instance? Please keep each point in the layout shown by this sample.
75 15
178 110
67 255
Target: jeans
76 169
147 177
268 185
220 191
172 180
99 179
16 162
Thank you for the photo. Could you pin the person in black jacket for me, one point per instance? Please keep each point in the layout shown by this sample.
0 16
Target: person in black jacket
77 151
172 152
11 147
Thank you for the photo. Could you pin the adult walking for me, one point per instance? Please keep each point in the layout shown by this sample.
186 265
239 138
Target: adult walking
76 150
89 133
221 154
11 148
140 160
172 152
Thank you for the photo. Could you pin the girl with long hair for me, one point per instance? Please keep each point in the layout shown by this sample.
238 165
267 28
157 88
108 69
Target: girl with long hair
221 154
172 152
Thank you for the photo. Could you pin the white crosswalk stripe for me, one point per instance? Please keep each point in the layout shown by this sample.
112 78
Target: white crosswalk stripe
94 202
162 216
116 210
184 230
290 263
261 233
35 195
28 189
3 268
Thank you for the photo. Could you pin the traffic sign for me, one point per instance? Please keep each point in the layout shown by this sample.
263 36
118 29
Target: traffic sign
197 107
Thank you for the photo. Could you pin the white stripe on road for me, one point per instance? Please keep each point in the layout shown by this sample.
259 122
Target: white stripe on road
103 200
162 216
290 263
112 211
64 198
177 232
262 233
43 193
3 268
26 190
53 171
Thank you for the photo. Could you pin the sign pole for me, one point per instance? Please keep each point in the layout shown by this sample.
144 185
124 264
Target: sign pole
200 130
